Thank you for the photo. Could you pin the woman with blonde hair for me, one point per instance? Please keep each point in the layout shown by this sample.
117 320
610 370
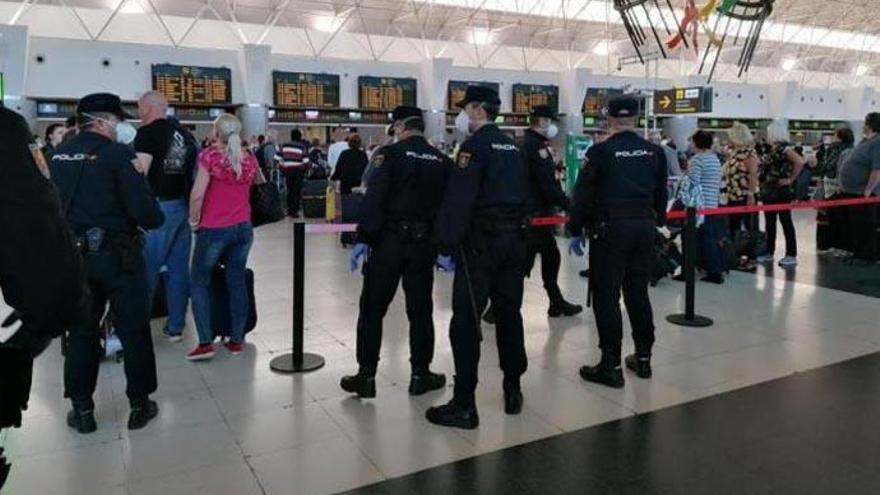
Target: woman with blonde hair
741 175
220 215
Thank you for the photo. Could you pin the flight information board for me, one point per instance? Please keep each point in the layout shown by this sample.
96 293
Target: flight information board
526 96
457 90
385 93
188 85
596 101
305 90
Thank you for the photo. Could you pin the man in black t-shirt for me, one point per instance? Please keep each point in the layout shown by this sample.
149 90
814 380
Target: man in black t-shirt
167 154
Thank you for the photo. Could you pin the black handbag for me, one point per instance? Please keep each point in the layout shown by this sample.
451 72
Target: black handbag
265 204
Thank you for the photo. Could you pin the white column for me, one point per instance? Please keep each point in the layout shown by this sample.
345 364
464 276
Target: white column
857 100
433 86
680 129
14 64
780 101
255 67
572 89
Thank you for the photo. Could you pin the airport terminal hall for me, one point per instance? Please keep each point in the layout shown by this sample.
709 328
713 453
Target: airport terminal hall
439 247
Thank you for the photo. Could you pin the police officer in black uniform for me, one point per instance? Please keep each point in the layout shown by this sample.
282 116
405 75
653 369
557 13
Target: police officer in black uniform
396 222
482 225
620 199
108 204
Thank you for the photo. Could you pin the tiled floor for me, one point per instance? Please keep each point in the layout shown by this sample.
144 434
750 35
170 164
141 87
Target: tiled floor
231 426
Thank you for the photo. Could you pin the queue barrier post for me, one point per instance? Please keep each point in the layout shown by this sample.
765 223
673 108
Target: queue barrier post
298 361
690 318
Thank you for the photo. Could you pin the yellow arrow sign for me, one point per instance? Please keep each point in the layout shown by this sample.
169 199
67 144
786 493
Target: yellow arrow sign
665 101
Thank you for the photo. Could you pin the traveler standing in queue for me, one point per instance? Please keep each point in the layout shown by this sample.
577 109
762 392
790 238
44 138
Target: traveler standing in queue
167 153
482 224
705 171
220 213
546 195
54 137
295 163
396 221
620 199
778 173
108 204
860 178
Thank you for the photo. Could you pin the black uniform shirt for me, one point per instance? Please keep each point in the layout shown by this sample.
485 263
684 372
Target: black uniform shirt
625 172
489 179
407 184
111 193
167 145
544 190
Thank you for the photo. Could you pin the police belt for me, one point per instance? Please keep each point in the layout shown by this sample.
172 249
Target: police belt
415 230
97 239
493 223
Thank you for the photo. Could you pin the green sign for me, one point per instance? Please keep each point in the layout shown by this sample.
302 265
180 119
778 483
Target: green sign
575 149
2 89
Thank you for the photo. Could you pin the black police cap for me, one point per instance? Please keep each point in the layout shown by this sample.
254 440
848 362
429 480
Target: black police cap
623 106
405 112
544 111
102 103
481 94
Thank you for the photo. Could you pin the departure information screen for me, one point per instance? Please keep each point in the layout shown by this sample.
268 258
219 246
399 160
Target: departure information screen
596 101
385 93
526 96
188 85
305 90
457 89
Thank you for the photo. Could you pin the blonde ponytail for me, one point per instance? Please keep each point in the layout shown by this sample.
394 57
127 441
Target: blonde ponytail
228 129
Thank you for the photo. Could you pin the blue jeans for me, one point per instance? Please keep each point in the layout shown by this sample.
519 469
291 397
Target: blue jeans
228 246
169 246
709 234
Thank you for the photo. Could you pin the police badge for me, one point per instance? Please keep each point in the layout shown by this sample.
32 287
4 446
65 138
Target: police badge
464 159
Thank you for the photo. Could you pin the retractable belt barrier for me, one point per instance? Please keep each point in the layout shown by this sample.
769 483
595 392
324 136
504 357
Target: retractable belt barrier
299 361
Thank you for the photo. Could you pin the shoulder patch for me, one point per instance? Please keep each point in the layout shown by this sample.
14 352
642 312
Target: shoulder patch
543 153
464 159
379 159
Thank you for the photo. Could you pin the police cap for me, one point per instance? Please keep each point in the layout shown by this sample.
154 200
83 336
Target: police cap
481 94
101 103
544 111
623 106
406 112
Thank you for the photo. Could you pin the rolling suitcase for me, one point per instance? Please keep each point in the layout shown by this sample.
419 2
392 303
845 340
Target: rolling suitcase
314 198
221 318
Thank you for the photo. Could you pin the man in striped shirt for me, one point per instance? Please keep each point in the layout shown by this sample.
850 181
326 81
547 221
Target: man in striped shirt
705 170
294 163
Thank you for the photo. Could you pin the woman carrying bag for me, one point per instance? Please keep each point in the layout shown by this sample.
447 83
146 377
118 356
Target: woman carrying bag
220 216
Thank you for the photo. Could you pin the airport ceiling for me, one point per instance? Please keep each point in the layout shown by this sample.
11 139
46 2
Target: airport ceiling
828 36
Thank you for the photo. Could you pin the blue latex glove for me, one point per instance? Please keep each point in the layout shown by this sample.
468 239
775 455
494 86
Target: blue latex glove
360 250
576 246
445 263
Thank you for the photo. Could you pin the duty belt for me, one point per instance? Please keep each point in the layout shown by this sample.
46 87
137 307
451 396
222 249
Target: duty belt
95 239
413 229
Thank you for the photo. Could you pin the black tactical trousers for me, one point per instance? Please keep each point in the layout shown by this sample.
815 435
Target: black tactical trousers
542 241
396 257
497 271
622 258
126 291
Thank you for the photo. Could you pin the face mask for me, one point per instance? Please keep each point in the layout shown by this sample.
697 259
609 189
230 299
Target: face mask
125 133
463 122
551 131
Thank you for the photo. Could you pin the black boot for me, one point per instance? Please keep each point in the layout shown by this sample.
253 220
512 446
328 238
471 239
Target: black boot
424 382
363 384
82 421
608 372
142 412
513 397
561 307
454 415
489 316
640 365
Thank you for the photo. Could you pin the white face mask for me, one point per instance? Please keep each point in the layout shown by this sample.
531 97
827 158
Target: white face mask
125 133
463 123
551 131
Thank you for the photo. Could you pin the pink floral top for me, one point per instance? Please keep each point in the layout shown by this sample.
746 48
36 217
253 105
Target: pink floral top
227 200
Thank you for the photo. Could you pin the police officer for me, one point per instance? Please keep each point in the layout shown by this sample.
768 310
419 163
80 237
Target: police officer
482 225
620 199
396 221
108 204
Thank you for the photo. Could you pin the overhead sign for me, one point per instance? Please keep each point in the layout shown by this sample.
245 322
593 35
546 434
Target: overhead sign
336 116
457 89
189 85
305 90
62 109
679 101
386 93
527 96
815 125
596 101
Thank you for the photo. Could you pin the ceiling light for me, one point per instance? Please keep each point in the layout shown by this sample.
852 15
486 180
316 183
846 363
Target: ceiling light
131 7
861 70
481 36
326 23
602 48
789 63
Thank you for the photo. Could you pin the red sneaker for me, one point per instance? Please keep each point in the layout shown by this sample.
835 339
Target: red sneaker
235 348
201 352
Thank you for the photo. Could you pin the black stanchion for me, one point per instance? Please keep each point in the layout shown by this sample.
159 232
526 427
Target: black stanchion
690 318
298 361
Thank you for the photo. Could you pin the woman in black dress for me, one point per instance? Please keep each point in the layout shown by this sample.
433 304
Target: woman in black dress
351 166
